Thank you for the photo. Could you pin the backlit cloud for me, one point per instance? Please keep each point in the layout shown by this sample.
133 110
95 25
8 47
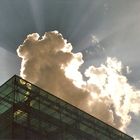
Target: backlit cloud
50 63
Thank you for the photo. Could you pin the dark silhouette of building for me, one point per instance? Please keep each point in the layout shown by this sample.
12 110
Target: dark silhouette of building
30 113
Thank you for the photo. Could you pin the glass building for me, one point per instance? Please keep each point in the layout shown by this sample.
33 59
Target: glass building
30 113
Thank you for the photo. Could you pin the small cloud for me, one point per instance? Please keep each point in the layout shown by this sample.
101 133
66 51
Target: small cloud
106 6
128 70
95 40
136 138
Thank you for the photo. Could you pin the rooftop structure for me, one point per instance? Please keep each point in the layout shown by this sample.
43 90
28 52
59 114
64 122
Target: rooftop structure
28 112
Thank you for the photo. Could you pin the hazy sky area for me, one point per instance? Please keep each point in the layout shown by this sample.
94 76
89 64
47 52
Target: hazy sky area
97 28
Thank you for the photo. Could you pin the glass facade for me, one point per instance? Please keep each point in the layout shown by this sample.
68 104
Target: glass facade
28 112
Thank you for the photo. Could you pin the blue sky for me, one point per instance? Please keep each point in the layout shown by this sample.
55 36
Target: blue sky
114 22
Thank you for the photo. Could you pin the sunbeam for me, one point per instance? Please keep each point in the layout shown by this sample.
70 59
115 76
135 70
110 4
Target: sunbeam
36 10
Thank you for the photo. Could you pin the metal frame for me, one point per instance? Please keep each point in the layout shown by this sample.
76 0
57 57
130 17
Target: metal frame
32 113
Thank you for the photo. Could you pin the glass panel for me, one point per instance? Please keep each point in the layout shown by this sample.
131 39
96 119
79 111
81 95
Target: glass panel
39 111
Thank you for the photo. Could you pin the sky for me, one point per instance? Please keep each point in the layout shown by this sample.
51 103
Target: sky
96 28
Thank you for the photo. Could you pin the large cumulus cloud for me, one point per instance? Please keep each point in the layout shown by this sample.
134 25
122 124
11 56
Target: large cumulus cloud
50 63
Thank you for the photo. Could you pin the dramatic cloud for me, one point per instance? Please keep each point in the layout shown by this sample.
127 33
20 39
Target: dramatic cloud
49 63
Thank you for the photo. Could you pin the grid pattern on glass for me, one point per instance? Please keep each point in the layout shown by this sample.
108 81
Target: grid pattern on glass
39 110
